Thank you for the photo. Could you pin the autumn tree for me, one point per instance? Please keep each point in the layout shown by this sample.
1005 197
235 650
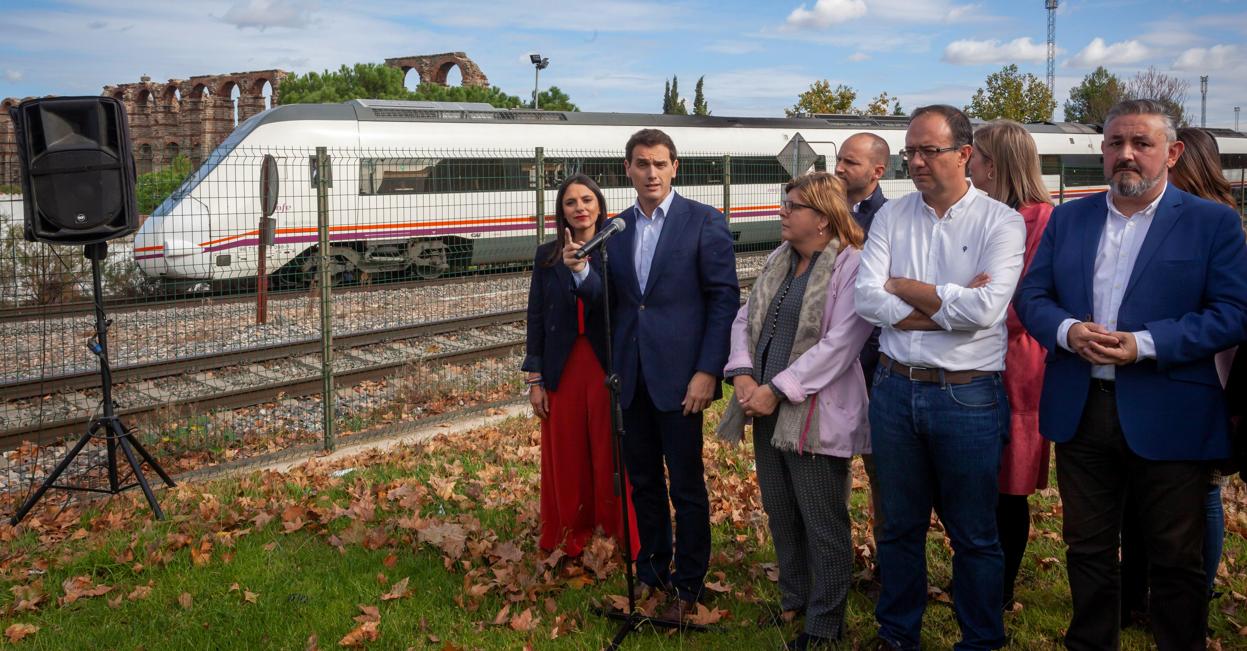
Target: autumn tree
378 81
361 81
1169 91
554 99
699 98
882 105
1012 95
822 98
491 95
1090 100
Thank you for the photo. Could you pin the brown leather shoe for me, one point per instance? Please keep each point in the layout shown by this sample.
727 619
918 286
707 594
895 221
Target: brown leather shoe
677 610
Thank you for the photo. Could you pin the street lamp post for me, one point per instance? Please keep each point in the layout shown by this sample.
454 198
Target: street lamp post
1236 118
539 64
1203 101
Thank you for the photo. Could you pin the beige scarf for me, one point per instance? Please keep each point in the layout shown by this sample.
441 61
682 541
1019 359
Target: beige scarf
796 422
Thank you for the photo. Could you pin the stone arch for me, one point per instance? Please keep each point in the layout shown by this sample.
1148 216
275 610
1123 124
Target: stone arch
172 149
10 174
171 95
433 68
143 157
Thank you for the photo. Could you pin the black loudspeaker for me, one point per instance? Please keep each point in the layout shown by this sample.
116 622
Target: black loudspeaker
77 169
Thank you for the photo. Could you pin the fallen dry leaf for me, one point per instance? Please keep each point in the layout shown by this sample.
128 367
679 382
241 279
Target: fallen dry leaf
81 587
185 600
17 632
398 591
525 621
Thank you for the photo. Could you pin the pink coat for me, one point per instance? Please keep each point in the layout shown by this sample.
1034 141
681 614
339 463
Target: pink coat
829 370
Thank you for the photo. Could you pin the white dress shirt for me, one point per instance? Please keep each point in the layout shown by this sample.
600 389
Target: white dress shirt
644 243
908 240
1114 262
648 230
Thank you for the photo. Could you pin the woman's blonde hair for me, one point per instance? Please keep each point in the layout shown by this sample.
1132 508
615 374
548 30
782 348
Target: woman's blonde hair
1018 180
824 192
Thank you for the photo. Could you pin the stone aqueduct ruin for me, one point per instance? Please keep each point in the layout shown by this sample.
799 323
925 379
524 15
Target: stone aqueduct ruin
192 116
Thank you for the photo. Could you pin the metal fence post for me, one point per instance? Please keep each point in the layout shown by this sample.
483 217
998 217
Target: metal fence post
326 302
727 185
540 170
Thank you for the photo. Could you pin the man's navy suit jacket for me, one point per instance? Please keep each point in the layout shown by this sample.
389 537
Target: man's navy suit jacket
682 322
1188 289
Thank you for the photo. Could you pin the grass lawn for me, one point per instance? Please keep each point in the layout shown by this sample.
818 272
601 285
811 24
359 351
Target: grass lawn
433 547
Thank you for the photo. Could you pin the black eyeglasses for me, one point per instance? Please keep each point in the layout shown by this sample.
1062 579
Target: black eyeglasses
788 206
927 153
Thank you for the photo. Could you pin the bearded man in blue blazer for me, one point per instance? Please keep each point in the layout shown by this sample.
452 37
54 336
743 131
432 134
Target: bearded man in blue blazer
674 294
1132 292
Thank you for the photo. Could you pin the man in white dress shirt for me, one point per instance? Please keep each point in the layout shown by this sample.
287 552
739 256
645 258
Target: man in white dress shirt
937 274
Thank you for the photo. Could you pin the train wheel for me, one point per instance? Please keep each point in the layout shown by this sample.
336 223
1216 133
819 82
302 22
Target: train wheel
341 271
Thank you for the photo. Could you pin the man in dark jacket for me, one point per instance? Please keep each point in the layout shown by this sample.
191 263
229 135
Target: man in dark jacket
674 294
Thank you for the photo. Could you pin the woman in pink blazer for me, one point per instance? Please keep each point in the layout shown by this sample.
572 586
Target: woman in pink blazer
794 364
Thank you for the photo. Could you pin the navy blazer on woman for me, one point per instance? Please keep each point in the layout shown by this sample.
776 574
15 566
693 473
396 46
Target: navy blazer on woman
682 322
1188 289
552 323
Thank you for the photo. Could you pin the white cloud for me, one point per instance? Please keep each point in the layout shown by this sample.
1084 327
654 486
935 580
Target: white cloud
971 52
826 13
859 56
1097 53
1204 59
13 75
262 14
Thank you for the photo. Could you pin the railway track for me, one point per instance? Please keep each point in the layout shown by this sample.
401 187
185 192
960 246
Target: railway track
47 409
9 314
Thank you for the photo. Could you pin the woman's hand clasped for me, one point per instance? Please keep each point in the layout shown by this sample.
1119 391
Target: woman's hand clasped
762 402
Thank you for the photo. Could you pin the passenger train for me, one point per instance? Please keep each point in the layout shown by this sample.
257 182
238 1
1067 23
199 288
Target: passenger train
425 187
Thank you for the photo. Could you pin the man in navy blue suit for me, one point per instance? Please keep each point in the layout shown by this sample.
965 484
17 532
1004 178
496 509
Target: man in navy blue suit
1132 292
674 294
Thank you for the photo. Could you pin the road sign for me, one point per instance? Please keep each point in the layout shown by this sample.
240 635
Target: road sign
797 156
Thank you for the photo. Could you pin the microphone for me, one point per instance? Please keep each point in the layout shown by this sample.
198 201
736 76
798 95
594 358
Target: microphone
612 227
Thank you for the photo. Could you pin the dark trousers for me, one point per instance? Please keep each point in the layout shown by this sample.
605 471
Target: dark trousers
805 497
653 437
1095 471
1013 521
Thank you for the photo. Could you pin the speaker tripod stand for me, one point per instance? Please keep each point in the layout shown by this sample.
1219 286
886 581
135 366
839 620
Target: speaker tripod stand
107 427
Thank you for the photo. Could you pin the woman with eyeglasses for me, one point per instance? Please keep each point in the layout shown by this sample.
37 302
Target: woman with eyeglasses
1005 165
794 365
565 355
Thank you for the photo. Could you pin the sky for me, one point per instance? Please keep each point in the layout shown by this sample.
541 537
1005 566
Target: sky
756 55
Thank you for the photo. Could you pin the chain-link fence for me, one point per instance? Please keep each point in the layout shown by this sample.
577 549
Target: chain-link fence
399 277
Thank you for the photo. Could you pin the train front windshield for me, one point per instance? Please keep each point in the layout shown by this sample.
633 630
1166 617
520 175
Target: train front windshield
219 154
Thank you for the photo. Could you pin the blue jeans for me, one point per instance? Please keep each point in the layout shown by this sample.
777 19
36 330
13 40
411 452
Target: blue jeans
1215 536
938 446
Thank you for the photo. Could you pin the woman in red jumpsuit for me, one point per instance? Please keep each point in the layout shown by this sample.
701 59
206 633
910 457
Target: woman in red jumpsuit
566 354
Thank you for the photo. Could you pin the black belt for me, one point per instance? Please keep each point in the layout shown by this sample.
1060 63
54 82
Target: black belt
934 375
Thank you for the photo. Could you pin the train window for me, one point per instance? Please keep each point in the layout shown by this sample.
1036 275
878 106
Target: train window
701 170
1049 164
758 169
418 175
897 168
1083 170
313 173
